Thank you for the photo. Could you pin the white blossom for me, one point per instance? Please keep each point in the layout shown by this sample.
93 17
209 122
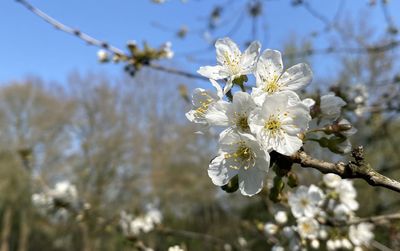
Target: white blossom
279 122
361 234
341 212
53 200
270 77
347 194
240 154
153 216
231 62
202 100
133 226
234 115
305 201
307 227
64 191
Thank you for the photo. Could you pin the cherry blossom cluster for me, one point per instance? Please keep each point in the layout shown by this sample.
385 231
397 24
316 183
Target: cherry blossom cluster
133 226
271 117
57 201
320 218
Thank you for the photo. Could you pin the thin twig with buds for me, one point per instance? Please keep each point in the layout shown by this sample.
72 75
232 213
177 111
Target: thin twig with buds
96 42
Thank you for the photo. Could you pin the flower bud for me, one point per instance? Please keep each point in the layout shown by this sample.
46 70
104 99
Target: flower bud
330 245
323 234
270 229
315 244
102 55
281 217
346 244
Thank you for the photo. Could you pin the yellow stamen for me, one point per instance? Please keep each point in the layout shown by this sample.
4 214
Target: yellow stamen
242 123
243 154
271 86
273 125
232 63
202 109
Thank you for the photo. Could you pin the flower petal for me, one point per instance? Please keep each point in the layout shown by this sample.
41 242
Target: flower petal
220 93
331 106
243 103
249 57
289 145
216 114
225 47
228 85
251 181
296 77
269 67
309 102
213 72
218 172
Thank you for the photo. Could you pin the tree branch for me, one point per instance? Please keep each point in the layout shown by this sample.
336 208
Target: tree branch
98 43
357 169
378 220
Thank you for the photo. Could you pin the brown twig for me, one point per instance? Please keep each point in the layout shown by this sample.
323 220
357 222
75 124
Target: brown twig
357 169
378 220
96 42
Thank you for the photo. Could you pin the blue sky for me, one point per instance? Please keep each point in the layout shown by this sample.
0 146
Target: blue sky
30 46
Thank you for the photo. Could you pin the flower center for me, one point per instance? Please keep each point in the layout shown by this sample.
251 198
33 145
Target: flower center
243 154
204 104
271 86
307 228
242 123
232 63
304 202
273 125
